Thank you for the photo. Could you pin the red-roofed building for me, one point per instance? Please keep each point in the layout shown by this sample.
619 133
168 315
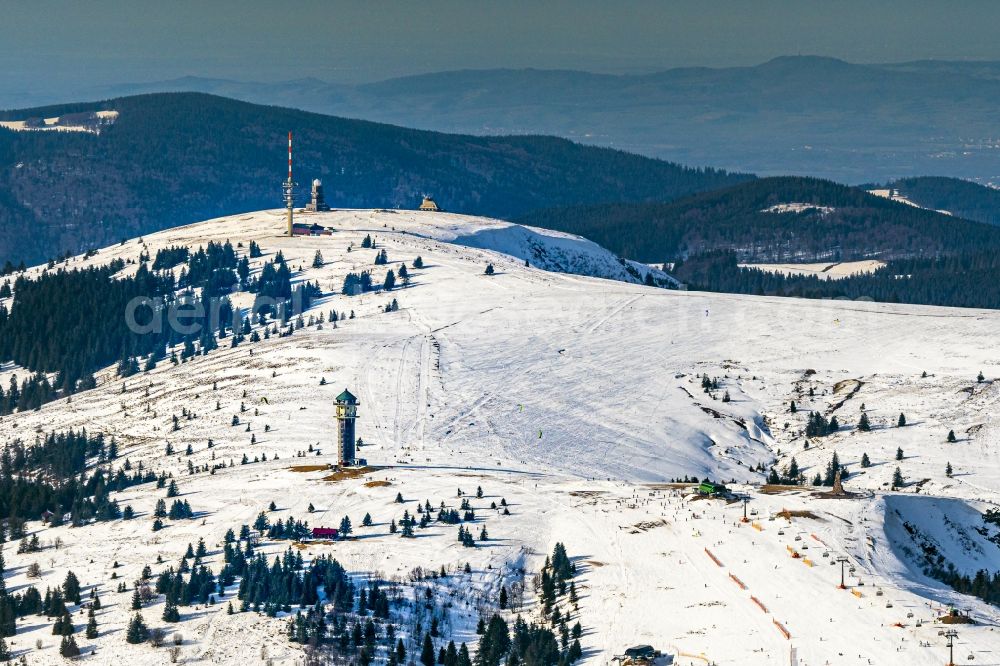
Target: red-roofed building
324 533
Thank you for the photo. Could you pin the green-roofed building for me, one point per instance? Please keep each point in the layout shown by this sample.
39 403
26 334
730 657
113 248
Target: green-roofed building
347 413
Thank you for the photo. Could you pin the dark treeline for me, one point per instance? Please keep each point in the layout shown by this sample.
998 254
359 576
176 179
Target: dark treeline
965 280
853 225
59 454
73 322
283 583
177 158
51 478
213 270
168 257
959 197
982 584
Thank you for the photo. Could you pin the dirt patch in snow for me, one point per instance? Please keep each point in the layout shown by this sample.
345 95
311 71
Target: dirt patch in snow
646 526
803 513
350 473
309 468
774 489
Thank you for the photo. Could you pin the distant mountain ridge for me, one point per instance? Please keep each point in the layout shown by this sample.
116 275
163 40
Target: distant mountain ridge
173 158
793 114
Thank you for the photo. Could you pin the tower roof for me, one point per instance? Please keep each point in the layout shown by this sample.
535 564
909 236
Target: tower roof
347 397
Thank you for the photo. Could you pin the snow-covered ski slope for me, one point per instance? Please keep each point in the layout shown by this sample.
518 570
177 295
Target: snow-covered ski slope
574 398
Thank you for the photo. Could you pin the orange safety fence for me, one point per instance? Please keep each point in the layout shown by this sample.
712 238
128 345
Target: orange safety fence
857 593
714 558
781 628
757 526
738 582
806 561
759 604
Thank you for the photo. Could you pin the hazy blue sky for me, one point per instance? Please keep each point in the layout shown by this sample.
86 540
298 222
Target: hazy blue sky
46 44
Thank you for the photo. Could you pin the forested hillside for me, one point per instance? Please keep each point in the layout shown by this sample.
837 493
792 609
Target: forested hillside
759 221
966 280
958 197
176 158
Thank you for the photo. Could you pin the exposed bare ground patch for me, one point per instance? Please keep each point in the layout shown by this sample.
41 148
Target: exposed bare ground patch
308 468
848 388
801 513
774 489
377 484
646 526
595 563
586 493
350 473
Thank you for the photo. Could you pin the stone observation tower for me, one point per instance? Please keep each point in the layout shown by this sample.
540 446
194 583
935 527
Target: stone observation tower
317 203
347 413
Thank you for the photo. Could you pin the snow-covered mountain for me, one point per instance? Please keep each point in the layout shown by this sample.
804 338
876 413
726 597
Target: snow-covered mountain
575 399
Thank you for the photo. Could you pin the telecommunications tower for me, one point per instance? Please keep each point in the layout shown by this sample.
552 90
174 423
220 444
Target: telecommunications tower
289 186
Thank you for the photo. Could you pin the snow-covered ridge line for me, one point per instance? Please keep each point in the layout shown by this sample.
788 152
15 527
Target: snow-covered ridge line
85 121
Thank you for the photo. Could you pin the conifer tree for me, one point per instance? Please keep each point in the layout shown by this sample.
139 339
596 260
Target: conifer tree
948 470
71 588
902 421
494 644
897 479
170 612
68 647
463 656
864 425
427 652
91 625
951 437
137 631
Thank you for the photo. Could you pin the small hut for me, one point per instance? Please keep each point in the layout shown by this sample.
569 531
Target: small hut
429 204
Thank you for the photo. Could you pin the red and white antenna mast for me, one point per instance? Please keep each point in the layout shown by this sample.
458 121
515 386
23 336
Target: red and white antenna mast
289 186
